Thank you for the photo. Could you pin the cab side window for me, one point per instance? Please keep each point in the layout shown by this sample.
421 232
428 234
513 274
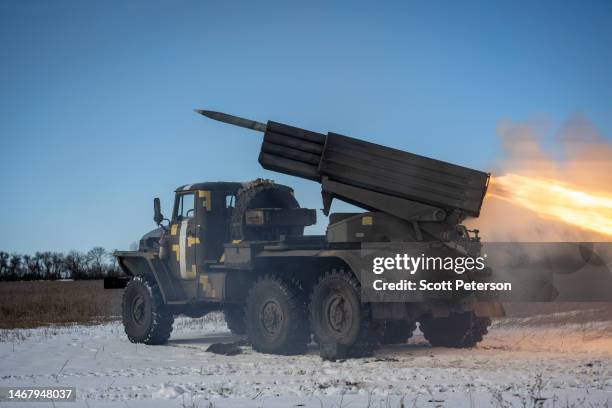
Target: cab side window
229 201
185 206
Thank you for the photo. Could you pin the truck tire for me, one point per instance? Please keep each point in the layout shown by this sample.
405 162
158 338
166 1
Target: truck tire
234 317
458 330
276 320
398 331
341 323
145 317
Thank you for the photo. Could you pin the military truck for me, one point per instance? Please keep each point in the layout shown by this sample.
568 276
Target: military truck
240 248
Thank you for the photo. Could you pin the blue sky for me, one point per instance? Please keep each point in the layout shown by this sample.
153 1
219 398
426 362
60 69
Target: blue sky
96 97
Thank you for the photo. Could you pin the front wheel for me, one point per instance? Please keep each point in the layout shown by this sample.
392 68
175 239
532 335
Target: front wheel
145 317
276 320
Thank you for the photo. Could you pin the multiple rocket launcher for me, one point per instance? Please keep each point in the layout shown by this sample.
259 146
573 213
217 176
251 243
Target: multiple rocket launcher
371 176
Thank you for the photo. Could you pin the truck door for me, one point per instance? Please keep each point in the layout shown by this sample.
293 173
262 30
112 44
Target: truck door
183 236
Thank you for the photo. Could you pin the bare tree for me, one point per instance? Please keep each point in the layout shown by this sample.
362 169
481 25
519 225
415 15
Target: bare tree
57 265
4 263
95 264
113 266
30 267
97 257
15 266
75 264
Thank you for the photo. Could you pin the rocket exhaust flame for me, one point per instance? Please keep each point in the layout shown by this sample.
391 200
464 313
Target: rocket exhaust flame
551 184
556 200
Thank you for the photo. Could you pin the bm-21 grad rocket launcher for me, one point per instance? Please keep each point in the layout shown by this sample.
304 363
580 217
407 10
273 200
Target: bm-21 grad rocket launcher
434 196
241 248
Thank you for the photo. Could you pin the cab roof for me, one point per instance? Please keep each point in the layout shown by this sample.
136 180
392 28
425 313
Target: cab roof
214 185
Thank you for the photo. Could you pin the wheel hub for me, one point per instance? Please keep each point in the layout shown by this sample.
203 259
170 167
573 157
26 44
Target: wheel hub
339 314
271 317
138 310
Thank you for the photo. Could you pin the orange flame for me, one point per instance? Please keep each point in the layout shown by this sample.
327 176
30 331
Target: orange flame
556 200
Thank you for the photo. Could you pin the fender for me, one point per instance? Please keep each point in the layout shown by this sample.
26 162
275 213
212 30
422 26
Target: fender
134 263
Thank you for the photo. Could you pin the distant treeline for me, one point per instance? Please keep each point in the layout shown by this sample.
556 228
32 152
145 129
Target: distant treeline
95 264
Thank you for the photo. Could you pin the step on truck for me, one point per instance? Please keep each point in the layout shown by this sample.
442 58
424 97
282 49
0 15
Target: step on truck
240 248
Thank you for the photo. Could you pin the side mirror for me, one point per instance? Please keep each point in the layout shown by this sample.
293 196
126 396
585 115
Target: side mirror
157 215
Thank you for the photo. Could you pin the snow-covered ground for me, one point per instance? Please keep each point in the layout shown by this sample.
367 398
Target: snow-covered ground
517 365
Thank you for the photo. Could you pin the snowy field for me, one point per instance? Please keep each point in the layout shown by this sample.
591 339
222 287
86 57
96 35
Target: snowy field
518 364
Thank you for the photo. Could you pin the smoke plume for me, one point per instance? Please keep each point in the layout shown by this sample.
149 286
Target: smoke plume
547 189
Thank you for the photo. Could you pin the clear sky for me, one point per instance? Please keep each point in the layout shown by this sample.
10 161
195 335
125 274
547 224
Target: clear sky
96 97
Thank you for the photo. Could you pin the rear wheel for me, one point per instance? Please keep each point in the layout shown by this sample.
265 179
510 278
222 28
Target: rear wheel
145 317
341 323
276 320
459 330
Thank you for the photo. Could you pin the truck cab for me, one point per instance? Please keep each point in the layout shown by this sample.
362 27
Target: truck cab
198 227
186 254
